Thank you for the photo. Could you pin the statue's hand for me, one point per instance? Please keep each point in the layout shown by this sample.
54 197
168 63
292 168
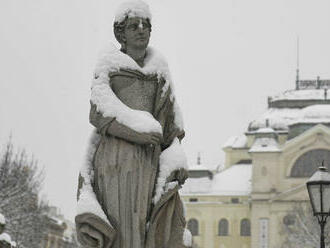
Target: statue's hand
179 175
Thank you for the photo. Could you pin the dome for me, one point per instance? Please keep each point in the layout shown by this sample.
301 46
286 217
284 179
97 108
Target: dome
316 112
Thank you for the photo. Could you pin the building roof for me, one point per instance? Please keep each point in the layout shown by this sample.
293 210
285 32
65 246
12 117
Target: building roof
265 144
309 94
315 114
236 142
278 118
198 167
236 180
282 118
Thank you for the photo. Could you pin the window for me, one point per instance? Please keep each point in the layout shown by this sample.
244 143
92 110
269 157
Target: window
193 227
289 220
193 199
245 227
223 227
308 163
234 200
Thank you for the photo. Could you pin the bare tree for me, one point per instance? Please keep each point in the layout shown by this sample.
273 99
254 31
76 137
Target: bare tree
20 184
301 229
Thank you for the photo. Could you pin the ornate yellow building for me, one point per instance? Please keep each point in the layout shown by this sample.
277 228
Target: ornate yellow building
245 204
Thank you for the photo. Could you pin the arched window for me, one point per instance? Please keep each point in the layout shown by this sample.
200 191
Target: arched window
245 227
308 163
223 227
193 227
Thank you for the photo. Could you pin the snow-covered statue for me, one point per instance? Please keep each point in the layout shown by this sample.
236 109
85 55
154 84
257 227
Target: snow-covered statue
128 188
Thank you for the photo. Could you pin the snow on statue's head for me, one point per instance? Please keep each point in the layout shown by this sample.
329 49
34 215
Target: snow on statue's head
130 9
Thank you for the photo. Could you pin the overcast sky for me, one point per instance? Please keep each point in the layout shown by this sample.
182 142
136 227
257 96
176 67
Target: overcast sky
226 57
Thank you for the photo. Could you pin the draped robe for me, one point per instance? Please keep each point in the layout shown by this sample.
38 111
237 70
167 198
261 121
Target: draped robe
125 174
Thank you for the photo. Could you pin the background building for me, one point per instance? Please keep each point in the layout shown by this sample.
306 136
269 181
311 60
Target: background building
265 171
60 231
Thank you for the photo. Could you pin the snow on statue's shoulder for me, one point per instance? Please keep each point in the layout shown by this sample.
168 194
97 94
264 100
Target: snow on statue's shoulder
112 60
134 8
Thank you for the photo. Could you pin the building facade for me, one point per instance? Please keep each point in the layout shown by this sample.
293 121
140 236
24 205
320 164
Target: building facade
60 232
265 172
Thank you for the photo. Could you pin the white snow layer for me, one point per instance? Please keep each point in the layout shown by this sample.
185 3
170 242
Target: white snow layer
319 176
281 118
112 60
200 185
313 94
236 180
136 8
197 167
171 159
236 142
265 130
265 145
278 118
5 237
187 238
316 112
87 202
2 219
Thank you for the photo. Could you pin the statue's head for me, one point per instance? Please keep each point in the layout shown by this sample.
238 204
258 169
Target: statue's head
132 25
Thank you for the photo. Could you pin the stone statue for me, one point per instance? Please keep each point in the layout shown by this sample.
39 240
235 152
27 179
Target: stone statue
128 188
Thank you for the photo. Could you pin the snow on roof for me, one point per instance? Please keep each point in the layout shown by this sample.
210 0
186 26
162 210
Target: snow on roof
316 112
278 118
197 167
2 219
200 185
236 180
265 130
265 145
282 118
236 142
320 175
136 8
311 94
5 237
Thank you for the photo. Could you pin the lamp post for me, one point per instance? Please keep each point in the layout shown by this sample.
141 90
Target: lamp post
319 193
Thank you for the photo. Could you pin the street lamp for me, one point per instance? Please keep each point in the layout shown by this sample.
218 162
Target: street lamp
319 193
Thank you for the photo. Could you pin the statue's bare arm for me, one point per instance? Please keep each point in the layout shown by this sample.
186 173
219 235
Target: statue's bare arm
110 126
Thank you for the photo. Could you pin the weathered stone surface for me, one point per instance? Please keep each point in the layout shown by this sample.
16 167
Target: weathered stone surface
126 162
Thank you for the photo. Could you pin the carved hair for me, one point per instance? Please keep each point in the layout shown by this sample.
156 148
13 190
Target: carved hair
119 29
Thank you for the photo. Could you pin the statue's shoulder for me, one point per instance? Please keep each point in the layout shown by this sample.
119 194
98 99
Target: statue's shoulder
111 59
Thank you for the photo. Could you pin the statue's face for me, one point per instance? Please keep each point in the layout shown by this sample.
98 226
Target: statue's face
137 33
